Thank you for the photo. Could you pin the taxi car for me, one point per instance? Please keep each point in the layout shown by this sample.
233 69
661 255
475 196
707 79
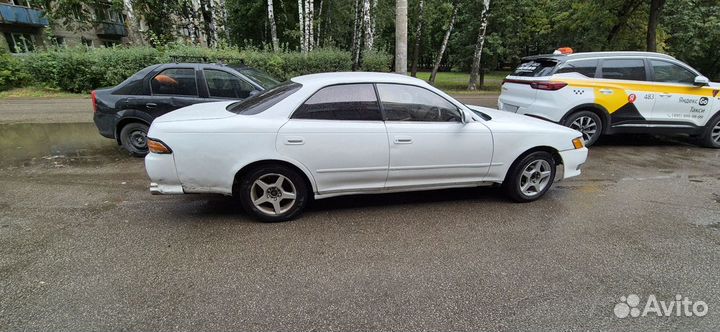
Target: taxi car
331 134
600 93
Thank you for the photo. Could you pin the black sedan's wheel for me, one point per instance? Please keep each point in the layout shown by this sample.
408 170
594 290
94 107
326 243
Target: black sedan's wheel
531 177
711 136
587 123
273 193
133 138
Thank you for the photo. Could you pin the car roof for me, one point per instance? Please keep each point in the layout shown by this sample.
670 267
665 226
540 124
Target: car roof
356 77
590 55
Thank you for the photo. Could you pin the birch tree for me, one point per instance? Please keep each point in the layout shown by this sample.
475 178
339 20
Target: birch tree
474 82
311 24
306 25
367 15
418 37
443 47
301 23
357 36
320 20
206 9
273 27
400 36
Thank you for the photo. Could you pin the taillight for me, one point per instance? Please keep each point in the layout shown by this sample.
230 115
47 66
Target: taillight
93 97
551 86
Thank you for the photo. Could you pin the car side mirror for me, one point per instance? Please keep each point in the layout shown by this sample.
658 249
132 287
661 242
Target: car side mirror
701 81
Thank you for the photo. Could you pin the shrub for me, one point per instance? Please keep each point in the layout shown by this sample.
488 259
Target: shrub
82 69
11 72
376 61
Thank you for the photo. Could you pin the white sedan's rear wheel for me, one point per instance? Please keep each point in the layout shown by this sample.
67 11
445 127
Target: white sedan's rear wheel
531 177
273 193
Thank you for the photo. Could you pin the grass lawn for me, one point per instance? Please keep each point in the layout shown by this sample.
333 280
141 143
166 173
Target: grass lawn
456 83
38 92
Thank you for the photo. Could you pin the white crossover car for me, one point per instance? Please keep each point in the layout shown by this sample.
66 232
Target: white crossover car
324 135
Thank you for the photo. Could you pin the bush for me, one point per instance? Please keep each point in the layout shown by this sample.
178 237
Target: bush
82 69
11 72
376 61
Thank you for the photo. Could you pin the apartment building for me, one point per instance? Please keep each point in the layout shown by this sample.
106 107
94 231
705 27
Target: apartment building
24 28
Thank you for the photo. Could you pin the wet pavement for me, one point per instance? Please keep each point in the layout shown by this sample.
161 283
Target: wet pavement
84 246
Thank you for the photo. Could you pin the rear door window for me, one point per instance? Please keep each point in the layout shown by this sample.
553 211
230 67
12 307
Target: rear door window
535 68
582 67
352 102
624 69
175 81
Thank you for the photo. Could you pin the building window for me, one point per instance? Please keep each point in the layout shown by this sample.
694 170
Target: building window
86 42
58 41
20 42
23 3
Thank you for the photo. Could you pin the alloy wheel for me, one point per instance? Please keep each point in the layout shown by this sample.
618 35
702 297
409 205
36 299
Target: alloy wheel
585 125
715 134
535 177
273 194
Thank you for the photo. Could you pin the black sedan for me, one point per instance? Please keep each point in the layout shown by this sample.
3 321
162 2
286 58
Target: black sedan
125 112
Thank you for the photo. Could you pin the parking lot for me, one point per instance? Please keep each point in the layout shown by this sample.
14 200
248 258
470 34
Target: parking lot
84 246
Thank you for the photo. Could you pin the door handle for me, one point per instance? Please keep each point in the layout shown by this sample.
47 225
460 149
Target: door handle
294 141
150 105
403 140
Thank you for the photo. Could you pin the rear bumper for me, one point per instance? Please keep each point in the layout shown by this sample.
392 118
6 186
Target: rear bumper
105 124
163 174
573 161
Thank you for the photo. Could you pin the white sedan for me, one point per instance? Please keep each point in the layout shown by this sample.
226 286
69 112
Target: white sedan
324 135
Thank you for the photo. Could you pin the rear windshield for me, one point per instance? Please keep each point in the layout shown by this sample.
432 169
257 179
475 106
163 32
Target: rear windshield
264 100
535 68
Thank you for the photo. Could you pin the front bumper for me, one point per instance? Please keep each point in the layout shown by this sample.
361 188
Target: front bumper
573 161
163 174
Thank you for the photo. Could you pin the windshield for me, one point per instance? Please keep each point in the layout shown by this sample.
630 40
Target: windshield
264 100
258 76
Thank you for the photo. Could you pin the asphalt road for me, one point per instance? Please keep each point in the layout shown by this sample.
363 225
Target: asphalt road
84 246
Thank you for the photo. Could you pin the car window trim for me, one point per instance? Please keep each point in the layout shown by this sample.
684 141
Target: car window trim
459 109
202 70
377 100
197 88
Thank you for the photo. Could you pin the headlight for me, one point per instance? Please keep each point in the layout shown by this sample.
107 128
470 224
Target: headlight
578 143
157 146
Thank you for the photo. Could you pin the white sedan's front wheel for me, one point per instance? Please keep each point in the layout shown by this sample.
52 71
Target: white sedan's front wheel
531 177
273 193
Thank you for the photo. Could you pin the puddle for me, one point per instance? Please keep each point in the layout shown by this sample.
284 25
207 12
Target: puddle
54 143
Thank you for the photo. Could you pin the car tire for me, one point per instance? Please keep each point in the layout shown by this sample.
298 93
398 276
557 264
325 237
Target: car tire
711 136
527 179
262 197
588 123
133 137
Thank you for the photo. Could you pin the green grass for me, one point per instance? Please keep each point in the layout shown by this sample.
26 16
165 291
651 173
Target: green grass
456 83
39 92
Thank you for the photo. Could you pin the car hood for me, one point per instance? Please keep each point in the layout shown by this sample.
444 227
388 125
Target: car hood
202 111
503 121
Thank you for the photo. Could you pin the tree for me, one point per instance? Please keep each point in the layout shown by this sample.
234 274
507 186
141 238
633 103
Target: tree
439 57
656 7
401 36
418 37
475 69
357 36
273 26
301 22
367 17
208 14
